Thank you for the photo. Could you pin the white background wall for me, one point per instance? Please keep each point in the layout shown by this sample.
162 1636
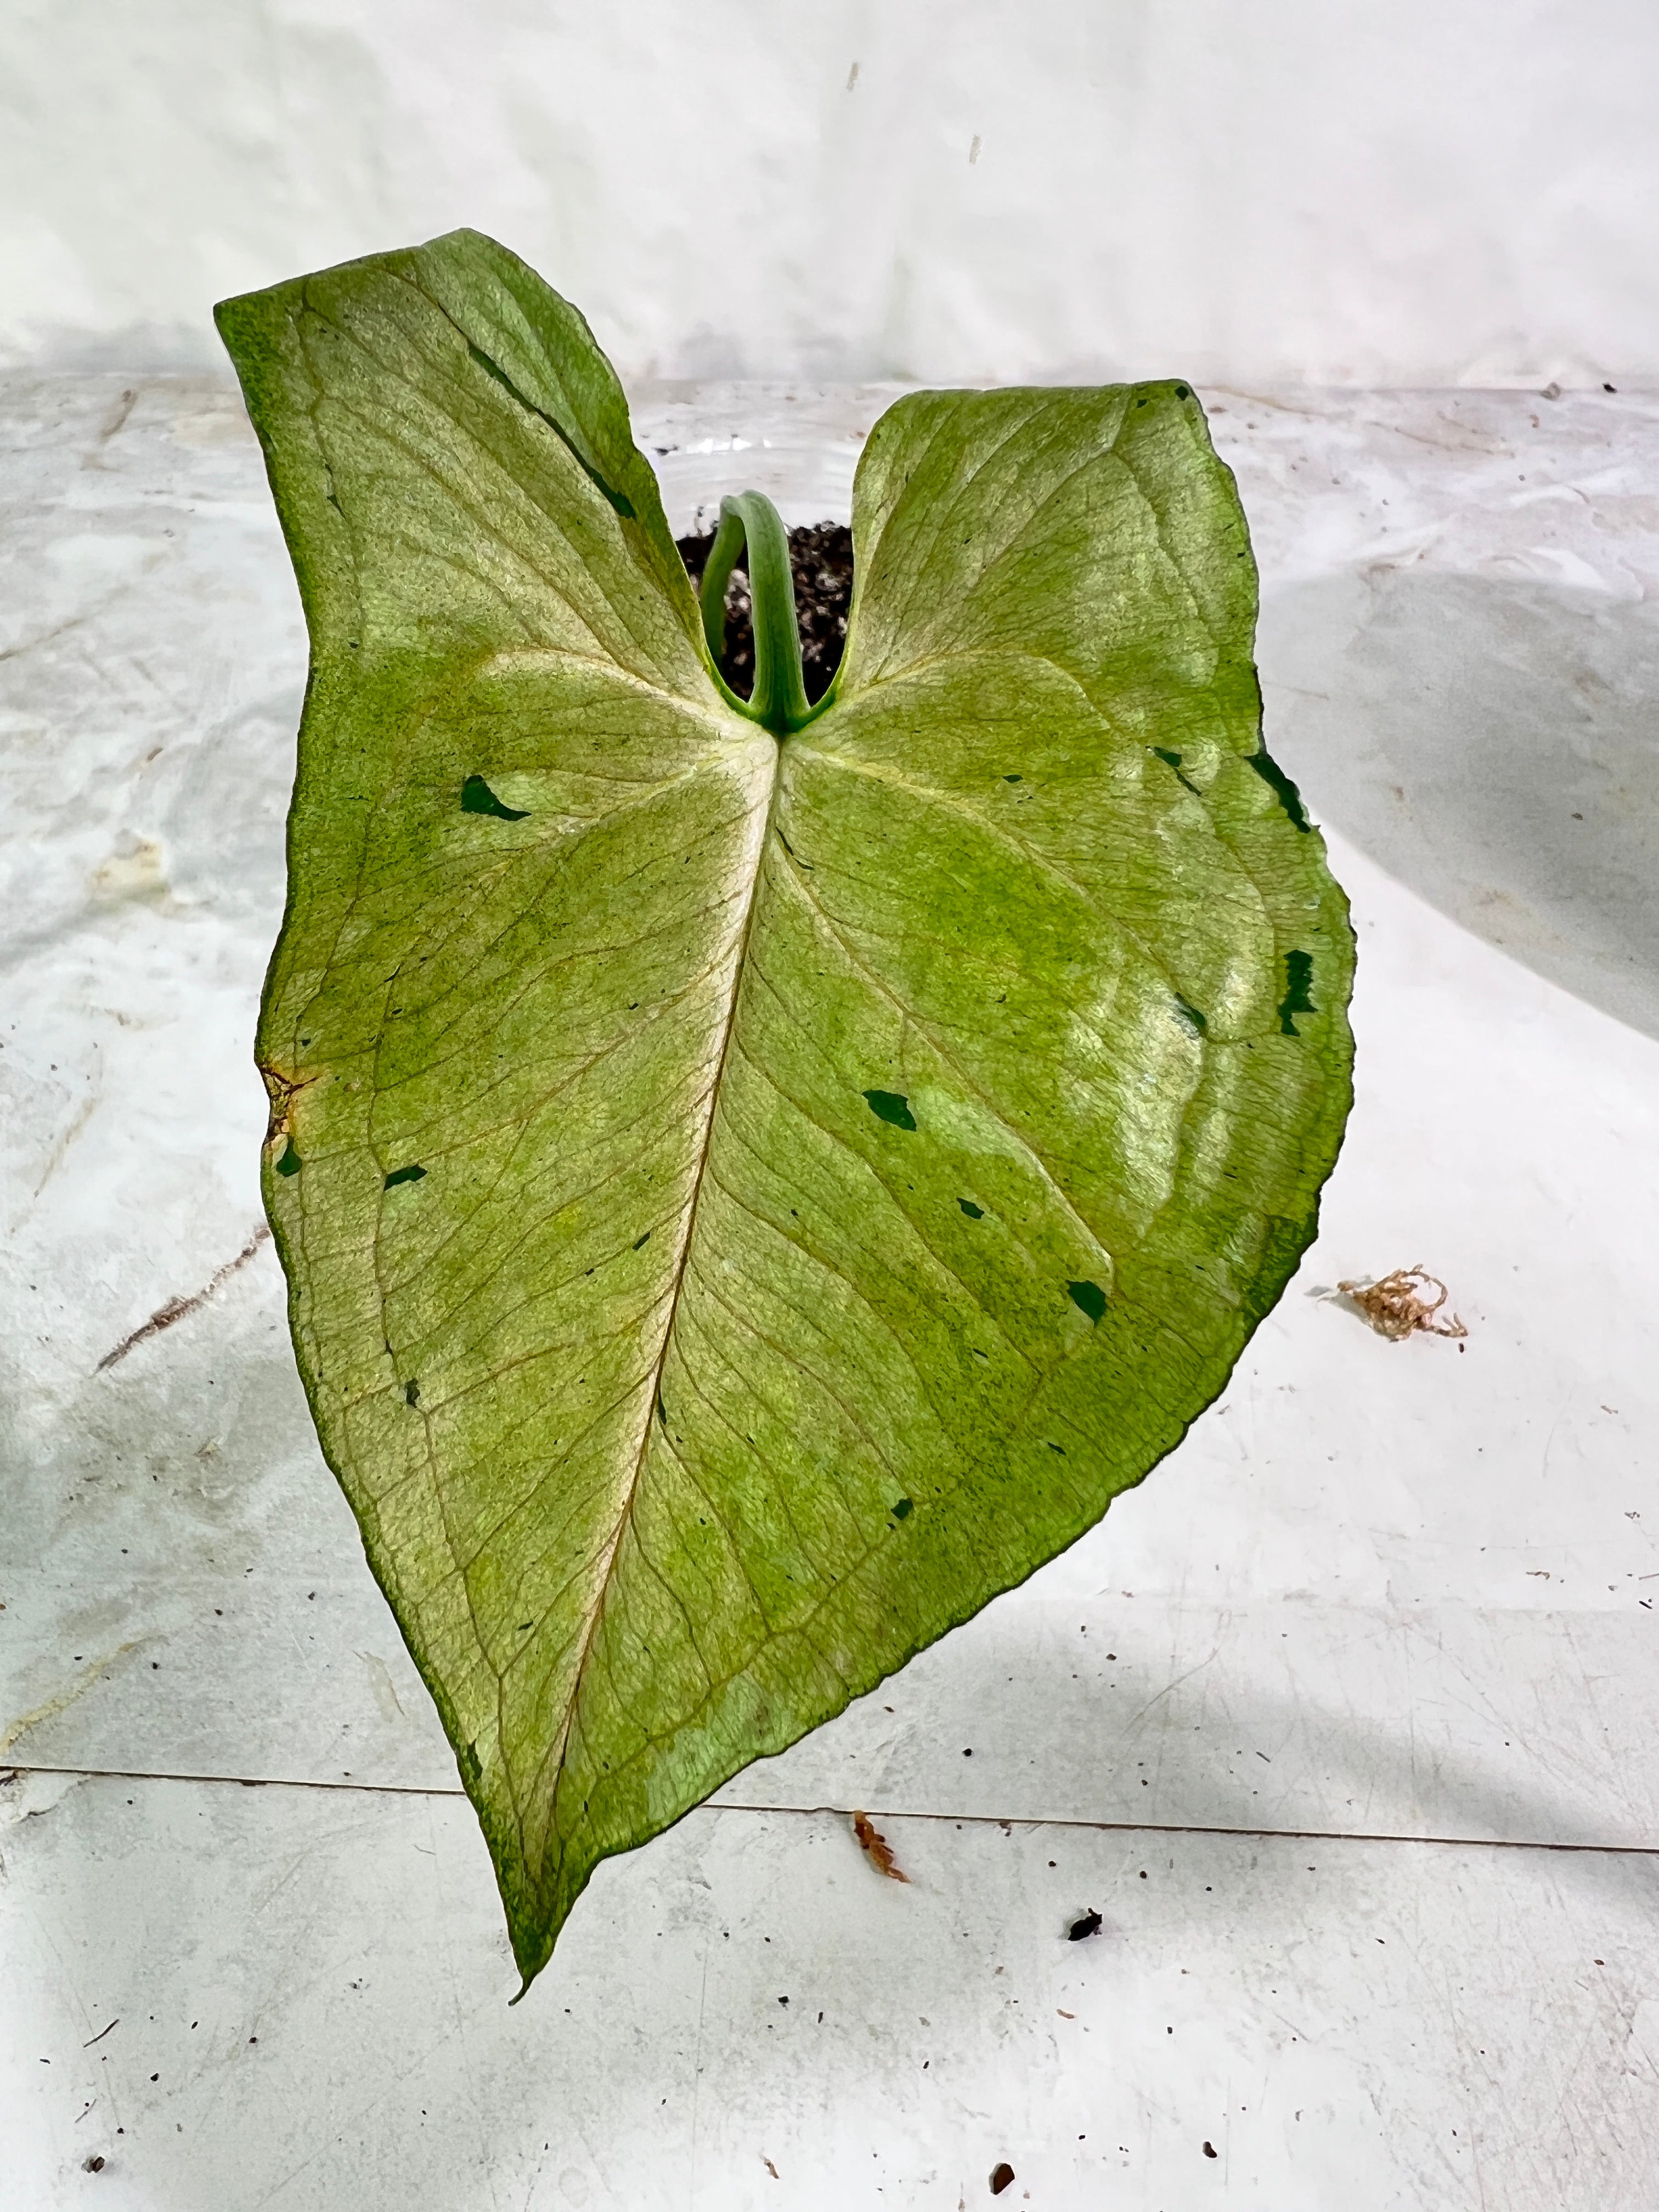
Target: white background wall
1351 190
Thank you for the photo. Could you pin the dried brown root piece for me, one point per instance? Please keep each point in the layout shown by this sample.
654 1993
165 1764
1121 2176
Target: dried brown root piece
1395 1307
877 1848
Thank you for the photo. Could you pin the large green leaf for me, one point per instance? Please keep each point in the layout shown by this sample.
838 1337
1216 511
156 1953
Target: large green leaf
747 1203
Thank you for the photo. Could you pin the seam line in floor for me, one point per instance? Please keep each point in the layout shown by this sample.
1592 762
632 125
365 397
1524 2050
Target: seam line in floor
10 1770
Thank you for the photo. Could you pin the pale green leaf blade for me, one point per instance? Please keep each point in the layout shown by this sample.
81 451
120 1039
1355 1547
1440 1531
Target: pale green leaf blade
522 846
744 1207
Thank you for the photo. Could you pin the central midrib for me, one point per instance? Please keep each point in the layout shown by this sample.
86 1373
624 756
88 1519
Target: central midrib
677 1279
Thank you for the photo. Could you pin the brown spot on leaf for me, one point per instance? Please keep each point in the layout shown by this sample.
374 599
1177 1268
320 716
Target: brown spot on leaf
280 1089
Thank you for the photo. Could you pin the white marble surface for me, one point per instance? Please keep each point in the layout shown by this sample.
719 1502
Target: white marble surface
1338 1677
306 1991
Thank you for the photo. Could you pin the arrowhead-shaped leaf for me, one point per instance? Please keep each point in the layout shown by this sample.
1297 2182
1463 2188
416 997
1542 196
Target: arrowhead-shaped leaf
745 1203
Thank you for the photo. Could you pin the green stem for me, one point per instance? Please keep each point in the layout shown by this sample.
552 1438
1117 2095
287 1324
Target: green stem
779 699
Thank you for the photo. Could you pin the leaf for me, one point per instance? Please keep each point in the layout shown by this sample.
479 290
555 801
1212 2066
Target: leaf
877 1848
846 1163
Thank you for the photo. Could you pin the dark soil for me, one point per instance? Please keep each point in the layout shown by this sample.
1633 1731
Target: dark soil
821 561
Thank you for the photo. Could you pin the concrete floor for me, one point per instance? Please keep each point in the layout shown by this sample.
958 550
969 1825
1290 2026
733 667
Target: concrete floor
1346 1719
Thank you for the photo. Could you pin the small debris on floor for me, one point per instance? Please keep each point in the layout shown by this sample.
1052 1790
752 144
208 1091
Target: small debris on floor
1002 2178
1395 1307
92 2164
876 1849
771 2168
1209 2150
177 1309
1088 1925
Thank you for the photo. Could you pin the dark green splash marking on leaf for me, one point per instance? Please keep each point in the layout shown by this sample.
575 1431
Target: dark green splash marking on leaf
476 797
1299 974
657 1011
901 1509
1089 1299
1281 787
1172 760
619 500
1190 1015
413 1173
891 1106
974 1212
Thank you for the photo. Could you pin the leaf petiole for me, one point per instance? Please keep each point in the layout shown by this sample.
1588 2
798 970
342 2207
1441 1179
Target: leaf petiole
778 700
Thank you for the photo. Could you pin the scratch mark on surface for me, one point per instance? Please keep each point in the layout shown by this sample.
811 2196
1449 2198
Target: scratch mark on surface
696 2082
47 636
176 1310
116 419
83 1114
385 1689
1135 1719
64 1699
